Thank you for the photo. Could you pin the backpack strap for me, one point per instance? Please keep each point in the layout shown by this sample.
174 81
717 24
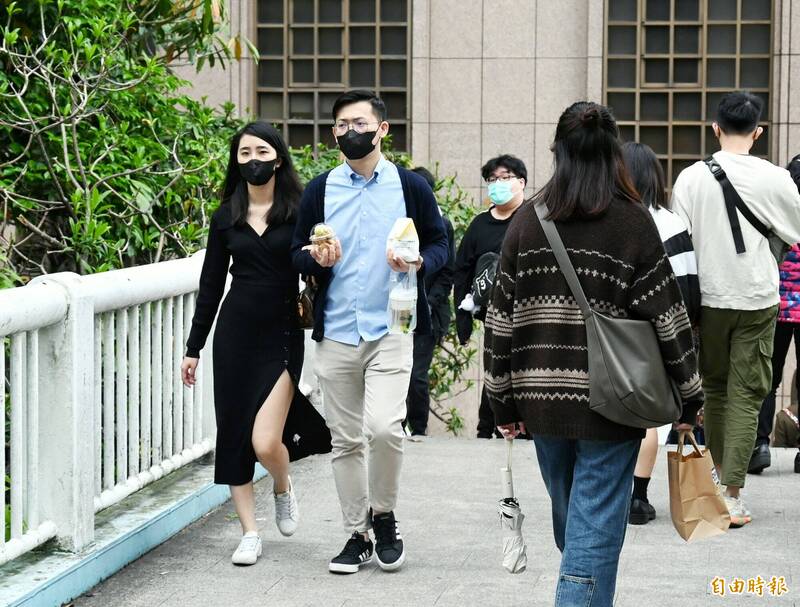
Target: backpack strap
734 202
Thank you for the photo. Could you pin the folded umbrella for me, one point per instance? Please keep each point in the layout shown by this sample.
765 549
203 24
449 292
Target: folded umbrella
515 557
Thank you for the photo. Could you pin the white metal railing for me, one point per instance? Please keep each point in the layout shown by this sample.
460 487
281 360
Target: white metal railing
90 369
151 423
19 362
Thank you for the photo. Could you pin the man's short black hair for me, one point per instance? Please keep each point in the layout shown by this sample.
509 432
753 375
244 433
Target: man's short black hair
356 95
794 170
426 175
739 112
508 162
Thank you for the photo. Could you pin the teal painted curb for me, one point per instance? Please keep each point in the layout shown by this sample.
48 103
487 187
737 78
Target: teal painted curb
112 557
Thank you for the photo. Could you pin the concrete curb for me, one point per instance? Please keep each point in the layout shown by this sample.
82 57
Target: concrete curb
112 556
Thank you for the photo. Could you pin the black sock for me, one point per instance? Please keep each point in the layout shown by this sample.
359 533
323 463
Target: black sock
640 488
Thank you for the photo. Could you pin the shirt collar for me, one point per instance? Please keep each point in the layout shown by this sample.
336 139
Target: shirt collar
380 169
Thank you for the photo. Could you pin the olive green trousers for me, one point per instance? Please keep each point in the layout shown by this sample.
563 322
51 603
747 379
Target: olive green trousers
736 365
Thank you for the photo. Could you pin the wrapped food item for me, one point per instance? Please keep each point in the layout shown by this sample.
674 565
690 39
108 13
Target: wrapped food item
403 240
322 235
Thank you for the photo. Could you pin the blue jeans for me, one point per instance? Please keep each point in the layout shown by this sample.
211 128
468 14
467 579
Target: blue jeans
589 483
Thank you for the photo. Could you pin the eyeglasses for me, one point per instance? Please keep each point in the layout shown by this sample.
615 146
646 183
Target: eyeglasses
359 126
504 178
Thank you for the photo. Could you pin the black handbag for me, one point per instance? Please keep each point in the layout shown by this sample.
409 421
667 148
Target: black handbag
733 201
305 304
628 382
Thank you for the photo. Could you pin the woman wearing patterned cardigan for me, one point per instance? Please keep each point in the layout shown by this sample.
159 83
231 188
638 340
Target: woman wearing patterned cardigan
535 347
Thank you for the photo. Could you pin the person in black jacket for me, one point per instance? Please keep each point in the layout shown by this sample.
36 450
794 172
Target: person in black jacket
437 286
364 370
506 177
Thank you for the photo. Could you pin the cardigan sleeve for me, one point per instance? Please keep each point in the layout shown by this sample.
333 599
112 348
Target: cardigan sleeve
498 332
310 213
654 295
430 226
212 285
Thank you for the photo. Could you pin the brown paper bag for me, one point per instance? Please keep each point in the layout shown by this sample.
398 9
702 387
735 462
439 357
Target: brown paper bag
695 500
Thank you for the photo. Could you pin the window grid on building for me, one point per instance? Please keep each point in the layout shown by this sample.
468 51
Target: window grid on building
312 50
668 63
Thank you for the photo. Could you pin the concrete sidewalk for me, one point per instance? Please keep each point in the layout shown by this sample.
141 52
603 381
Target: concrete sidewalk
448 518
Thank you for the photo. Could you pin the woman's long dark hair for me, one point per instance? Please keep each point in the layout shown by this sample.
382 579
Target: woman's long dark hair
646 173
287 185
589 169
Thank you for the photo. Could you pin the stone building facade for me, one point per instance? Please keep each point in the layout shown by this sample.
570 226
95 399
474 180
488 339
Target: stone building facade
469 79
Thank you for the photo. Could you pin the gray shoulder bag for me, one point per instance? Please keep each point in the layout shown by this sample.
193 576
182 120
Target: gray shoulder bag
628 383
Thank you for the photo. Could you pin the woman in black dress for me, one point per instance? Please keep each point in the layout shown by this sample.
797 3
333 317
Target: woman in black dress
258 347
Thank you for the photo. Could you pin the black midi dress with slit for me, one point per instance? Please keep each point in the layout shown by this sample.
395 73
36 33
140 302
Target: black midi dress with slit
255 341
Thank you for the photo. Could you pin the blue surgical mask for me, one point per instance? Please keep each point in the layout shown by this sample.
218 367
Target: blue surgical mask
500 192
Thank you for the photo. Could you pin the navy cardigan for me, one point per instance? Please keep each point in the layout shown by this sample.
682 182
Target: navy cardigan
420 206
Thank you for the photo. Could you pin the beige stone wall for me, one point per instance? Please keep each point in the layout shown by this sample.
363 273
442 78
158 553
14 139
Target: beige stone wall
491 77
786 81
236 83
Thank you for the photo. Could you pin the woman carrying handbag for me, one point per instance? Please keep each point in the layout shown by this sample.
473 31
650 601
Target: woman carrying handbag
258 344
537 353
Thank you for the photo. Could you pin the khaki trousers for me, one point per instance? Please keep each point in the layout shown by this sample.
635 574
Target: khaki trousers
364 392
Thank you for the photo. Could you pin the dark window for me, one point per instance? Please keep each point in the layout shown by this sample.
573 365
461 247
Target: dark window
313 50
668 63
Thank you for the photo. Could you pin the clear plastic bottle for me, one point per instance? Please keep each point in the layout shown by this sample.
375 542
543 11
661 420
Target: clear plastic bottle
402 312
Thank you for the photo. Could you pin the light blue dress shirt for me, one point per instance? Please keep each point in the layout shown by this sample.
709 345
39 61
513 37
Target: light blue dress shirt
362 213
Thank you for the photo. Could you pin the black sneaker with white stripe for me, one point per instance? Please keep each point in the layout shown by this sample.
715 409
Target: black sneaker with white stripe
355 553
388 542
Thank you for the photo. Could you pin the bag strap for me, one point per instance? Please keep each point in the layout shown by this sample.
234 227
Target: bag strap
684 434
733 202
562 257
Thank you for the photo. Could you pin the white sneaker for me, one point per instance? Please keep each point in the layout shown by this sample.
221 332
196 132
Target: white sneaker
249 549
287 513
740 515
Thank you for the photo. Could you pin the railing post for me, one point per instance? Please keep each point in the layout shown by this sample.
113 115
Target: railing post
67 419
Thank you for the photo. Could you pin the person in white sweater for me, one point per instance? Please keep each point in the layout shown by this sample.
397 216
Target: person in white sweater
739 290
648 178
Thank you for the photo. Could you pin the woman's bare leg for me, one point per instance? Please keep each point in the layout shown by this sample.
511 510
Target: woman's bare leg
647 454
268 432
244 502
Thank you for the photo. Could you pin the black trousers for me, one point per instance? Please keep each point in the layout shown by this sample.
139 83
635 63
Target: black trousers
418 401
784 331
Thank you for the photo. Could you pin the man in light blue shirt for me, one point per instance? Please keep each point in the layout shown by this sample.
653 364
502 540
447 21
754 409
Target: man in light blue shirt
362 213
364 370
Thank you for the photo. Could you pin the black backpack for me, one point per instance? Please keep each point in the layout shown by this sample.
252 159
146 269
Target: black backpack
485 272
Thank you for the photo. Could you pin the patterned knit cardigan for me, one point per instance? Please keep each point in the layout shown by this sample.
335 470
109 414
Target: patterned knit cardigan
535 352
790 287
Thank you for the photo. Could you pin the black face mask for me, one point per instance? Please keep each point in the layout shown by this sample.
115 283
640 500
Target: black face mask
257 172
356 145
